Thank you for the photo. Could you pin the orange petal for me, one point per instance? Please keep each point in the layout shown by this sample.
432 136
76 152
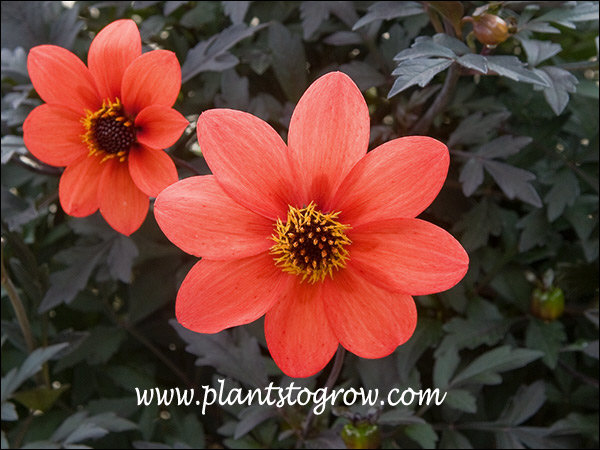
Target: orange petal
78 186
201 219
111 51
159 126
329 133
398 179
53 134
408 255
368 321
298 333
122 204
221 294
152 169
60 78
153 78
249 159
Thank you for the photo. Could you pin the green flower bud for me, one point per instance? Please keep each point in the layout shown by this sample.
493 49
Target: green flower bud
361 435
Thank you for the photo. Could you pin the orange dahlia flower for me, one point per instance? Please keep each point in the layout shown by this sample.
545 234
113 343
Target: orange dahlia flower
319 235
107 122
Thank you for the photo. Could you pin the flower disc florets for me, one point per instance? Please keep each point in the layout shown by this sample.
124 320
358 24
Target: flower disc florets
109 131
310 244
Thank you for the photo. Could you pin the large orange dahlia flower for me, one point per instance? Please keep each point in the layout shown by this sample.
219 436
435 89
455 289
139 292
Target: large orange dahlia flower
107 122
319 235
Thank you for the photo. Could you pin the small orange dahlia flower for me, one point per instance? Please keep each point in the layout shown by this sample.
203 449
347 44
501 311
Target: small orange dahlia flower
319 235
107 122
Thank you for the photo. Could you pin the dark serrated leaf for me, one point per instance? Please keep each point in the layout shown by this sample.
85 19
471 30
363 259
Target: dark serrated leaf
344 38
172 5
425 47
474 62
580 12
79 427
427 334
313 14
417 71
514 182
497 360
456 45
461 400
12 145
478 224
17 211
235 93
454 439
66 283
70 337
289 61
561 83
236 11
153 287
143 4
8 413
503 146
539 51
591 349
446 362
121 255
484 325
525 403
534 226
266 107
477 128
14 64
471 176
345 11
101 344
32 364
152 26
388 11
234 354
399 416
364 75
423 434
251 417
511 67
547 337
564 192
212 54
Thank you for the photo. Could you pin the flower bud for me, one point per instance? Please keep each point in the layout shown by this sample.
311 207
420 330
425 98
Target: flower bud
490 29
548 304
361 435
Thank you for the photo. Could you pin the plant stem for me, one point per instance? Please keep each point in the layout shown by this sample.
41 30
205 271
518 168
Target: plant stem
333 376
149 345
580 376
186 165
424 123
17 305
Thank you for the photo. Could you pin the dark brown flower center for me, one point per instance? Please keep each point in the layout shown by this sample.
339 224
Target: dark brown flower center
310 244
110 133
113 135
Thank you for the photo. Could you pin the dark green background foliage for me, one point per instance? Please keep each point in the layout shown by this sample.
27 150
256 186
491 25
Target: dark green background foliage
521 123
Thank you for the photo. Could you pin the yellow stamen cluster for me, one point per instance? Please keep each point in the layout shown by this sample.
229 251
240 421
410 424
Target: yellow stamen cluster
109 132
310 244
